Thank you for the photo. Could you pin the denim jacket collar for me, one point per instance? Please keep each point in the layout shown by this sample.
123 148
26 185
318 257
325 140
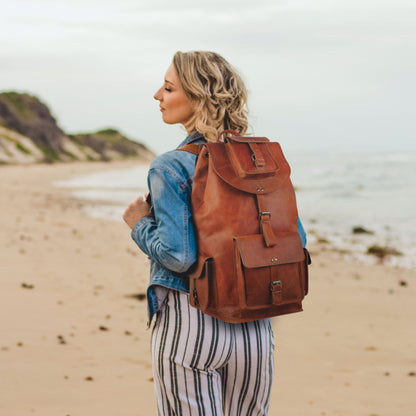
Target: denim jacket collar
193 138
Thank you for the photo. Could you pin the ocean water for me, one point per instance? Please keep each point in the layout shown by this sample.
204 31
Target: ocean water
339 190
336 191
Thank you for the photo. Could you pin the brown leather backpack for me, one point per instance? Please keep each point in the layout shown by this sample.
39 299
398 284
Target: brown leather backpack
251 263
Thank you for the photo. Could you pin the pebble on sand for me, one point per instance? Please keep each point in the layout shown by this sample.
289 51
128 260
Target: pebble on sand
61 340
361 230
382 252
371 348
138 296
27 286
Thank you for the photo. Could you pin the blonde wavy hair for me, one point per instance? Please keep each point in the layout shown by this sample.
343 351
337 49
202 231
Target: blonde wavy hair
217 91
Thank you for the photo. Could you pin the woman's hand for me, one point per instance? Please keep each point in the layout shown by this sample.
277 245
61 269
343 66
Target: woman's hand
136 210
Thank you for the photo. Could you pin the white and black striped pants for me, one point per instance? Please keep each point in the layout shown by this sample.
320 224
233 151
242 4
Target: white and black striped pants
204 366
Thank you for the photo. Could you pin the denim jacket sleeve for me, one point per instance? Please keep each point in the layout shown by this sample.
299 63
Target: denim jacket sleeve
168 238
302 233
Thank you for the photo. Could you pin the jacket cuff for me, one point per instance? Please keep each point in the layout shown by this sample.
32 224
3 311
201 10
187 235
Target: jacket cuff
138 226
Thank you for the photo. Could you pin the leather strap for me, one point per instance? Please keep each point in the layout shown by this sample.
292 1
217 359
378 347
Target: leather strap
265 222
276 289
257 155
190 148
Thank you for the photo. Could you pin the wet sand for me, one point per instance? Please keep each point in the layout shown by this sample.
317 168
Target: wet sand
73 339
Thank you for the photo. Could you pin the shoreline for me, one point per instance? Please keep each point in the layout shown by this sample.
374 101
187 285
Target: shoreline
108 198
74 342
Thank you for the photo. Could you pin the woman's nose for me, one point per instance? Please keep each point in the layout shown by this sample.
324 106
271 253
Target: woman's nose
158 95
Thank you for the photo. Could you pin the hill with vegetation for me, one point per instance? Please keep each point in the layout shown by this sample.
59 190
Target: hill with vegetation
29 133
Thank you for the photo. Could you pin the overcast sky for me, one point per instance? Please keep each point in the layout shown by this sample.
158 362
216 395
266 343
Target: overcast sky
322 74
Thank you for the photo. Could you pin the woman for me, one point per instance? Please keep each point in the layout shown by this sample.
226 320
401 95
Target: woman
201 365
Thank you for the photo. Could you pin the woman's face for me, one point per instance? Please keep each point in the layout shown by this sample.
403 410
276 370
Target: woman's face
175 106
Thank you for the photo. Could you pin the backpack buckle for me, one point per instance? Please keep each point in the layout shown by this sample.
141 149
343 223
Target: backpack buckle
195 295
276 289
265 213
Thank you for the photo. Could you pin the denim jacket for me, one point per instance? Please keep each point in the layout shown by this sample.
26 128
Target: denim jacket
168 236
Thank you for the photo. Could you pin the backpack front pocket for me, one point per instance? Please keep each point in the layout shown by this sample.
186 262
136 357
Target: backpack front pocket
268 276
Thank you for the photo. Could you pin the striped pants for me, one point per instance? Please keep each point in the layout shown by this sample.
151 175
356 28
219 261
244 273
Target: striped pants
204 366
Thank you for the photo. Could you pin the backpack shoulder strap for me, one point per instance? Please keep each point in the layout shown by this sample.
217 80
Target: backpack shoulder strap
190 148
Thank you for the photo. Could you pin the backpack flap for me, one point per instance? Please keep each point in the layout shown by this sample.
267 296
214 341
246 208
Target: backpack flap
235 164
198 269
254 253
251 157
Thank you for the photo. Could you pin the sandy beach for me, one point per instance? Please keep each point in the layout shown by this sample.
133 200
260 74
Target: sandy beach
73 337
